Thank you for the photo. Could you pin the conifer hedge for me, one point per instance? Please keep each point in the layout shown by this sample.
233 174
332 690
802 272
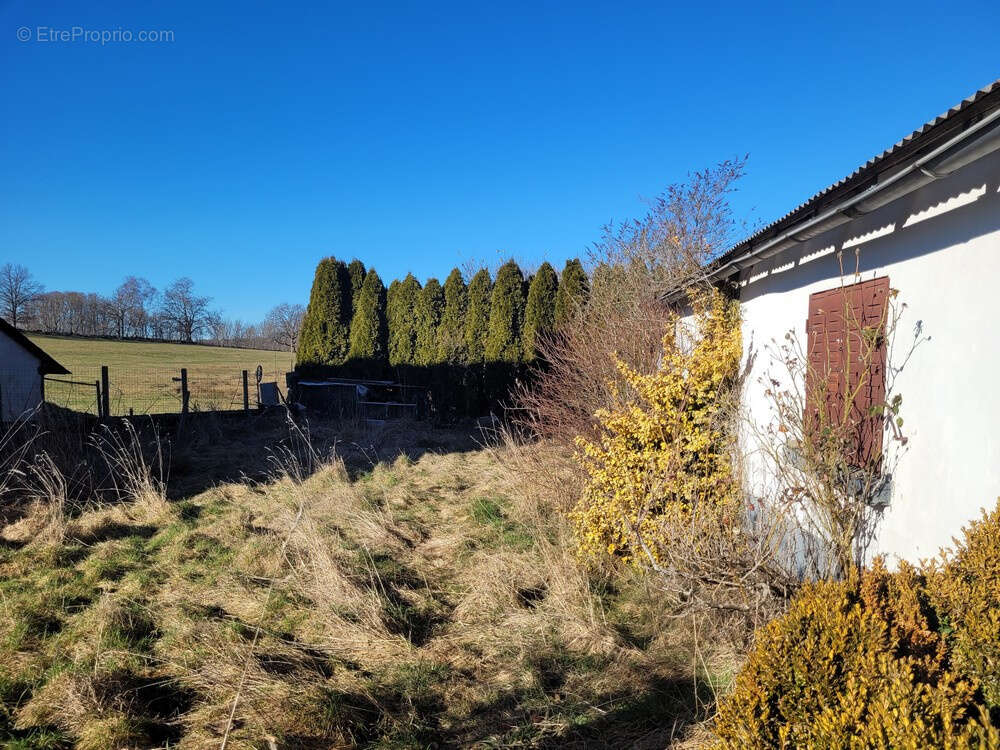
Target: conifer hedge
503 339
430 305
477 319
402 322
466 343
324 339
369 328
573 291
451 332
539 314
357 271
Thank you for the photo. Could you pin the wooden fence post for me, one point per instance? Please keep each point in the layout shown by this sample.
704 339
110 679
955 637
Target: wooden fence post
246 393
97 391
105 395
185 394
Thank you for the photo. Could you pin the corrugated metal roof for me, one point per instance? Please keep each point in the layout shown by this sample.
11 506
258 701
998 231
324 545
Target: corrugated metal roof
906 149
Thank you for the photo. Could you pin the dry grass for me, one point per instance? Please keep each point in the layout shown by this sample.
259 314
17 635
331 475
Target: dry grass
397 602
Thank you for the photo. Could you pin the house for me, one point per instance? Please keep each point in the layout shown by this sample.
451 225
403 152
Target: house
23 367
917 225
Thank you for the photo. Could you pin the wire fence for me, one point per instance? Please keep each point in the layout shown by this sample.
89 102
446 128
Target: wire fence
156 390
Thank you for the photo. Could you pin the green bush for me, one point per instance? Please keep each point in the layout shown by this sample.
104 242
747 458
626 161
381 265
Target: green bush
860 663
964 585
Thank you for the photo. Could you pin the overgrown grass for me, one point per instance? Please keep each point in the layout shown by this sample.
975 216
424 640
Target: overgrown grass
405 604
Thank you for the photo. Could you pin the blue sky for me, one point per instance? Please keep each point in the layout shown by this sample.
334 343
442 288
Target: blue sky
417 136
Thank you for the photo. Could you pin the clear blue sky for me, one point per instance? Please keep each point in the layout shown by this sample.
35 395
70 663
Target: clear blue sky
419 135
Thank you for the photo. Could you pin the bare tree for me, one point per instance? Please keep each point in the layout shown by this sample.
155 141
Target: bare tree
127 306
49 312
634 266
188 314
283 324
17 289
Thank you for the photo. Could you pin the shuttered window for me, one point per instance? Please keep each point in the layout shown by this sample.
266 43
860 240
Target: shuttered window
846 349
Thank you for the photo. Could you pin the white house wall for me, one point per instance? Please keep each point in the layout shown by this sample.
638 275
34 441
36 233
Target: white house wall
940 247
20 383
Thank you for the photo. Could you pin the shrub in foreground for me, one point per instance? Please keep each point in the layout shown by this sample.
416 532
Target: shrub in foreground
664 449
964 585
880 660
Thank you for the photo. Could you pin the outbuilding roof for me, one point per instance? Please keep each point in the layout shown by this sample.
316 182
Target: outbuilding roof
46 365
921 141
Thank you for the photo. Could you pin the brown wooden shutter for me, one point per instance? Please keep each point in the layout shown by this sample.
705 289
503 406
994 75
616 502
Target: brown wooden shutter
846 352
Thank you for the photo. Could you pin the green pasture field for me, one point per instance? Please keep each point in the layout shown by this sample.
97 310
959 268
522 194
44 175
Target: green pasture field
144 376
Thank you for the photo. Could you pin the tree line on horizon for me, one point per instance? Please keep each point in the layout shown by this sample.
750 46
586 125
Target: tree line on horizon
137 310
462 330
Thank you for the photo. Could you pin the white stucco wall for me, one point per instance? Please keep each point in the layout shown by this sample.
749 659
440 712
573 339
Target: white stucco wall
940 247
20 383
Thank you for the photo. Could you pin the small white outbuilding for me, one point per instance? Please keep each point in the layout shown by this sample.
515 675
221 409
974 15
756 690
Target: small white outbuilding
919 222
23 367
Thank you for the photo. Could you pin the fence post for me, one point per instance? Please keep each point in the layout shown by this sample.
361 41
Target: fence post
105 396
246 393
97 391
185 394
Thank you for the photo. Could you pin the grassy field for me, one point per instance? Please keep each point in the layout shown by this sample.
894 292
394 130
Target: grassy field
414 596
142 374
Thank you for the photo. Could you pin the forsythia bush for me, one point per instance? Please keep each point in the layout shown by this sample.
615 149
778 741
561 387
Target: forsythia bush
964 585
666 447
881 660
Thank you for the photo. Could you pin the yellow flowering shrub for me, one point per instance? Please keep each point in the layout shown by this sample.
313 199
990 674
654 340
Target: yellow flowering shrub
857 663
964 585
665 448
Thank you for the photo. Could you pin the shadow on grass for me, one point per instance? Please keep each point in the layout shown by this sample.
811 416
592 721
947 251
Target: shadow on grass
112 530
212 451
650 714
205 449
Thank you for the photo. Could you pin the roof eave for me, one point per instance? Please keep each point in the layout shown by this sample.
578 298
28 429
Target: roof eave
877 170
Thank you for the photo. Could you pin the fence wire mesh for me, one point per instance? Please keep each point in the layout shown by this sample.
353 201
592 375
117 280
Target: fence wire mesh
156 390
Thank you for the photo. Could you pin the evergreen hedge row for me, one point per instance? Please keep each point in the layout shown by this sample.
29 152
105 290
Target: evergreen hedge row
467 342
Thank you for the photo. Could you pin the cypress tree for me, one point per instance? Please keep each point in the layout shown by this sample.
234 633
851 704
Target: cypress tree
540 312
503 341
573 291
451 332
608 284
369 329
356 270
477 316
430 305
326 326
402 327
390 299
